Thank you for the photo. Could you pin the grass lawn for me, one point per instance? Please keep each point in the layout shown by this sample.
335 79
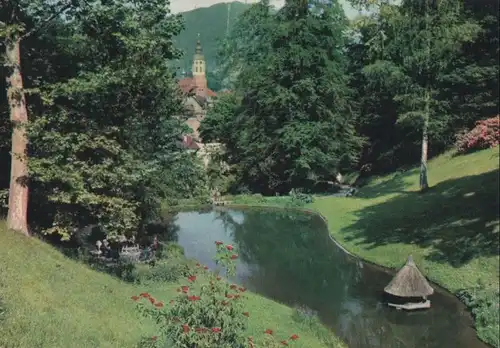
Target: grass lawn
452 230
54 302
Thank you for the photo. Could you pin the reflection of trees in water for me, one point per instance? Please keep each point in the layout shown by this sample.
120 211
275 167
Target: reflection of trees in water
293 252
165 229
299 264
296 263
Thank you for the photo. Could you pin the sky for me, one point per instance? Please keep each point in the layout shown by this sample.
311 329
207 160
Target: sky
187 5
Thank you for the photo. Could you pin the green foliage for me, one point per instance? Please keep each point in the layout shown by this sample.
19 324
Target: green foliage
300 198
403 54
169 270
104 125
213 317
293 122
483 302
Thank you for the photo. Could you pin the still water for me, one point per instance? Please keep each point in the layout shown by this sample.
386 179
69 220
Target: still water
287 256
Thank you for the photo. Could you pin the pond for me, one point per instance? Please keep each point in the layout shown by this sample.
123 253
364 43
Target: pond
288 256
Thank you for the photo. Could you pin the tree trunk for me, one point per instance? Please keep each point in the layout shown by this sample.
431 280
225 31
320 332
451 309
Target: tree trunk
17 218
424 185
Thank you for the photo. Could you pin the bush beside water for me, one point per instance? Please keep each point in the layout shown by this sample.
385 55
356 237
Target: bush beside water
209 312
483 302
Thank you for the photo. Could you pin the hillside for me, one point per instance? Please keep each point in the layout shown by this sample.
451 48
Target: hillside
50 301
452 230
212 24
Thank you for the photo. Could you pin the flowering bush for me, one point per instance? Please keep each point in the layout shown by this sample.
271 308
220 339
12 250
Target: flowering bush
486 134
206 315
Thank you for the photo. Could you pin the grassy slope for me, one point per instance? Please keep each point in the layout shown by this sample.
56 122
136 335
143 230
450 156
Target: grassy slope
55 302
452 231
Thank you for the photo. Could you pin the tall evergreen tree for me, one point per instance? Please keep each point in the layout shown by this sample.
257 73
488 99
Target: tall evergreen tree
294 126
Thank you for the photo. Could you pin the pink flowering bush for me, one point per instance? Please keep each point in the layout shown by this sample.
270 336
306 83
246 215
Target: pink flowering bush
485 135
206 314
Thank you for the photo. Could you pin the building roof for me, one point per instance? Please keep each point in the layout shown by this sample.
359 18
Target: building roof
188 142
409 282
187 85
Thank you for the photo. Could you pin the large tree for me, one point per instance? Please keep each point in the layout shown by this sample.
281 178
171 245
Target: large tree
18 21
104 117
294 124
413 49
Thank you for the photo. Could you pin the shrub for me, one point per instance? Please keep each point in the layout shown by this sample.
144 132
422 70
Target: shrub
484 135
484 303
208 314
299 198
169 270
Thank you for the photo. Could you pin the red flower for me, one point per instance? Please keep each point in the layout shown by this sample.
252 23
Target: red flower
193 298
234 256
144 294
246 314
135 298
205 268
284 343
229 296
159 304
268 331
185 289
294 337
185 328
218 242
233 286
242 289
229 247
199 329
236 296
152 300
216 329
154 338
192 278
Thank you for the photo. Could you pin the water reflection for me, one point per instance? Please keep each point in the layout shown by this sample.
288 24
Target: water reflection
288 256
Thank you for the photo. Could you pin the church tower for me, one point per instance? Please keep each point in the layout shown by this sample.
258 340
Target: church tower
199 70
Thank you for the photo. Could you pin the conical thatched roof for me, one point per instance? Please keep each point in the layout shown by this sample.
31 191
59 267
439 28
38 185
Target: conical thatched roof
409 282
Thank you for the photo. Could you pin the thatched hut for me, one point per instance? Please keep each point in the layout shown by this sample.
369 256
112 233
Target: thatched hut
409 286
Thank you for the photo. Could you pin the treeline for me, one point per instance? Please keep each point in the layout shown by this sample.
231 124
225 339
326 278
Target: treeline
315 94
104 115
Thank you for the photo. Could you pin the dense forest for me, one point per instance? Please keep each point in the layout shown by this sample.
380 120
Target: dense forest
313 95
316 94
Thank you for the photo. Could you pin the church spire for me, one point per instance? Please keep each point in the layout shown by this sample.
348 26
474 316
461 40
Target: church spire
199 71
198 46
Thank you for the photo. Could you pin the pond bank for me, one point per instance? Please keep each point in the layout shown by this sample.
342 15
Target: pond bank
286 255
52 301
451 231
